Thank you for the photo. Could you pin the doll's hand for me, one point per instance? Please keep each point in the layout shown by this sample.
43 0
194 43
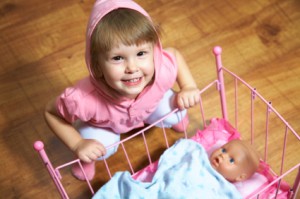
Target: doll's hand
89 150
187 98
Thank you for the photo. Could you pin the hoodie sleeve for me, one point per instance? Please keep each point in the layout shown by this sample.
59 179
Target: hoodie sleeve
76 103
167 73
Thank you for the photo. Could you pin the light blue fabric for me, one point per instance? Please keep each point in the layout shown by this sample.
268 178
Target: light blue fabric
184 171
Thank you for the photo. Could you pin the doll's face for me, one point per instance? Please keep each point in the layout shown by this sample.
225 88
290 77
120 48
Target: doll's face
129 69
232 161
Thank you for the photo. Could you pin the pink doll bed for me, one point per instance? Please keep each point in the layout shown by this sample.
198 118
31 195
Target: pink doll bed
273 180
215 135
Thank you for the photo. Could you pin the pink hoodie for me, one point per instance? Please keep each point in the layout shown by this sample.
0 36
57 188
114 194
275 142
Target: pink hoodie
94 102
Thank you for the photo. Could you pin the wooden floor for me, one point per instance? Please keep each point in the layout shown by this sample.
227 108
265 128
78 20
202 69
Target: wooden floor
42 52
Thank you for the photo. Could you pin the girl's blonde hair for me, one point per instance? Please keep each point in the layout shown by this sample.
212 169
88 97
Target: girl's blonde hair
124 26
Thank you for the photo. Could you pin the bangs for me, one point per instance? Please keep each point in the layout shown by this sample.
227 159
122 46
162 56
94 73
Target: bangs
124 26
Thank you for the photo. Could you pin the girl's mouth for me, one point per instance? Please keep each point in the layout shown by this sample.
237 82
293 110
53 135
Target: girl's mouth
132 82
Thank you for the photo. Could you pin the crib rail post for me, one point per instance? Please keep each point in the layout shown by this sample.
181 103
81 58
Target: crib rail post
296 185
221 87
39 147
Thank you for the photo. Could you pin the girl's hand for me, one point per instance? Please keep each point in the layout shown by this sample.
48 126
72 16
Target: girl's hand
187 98
89 150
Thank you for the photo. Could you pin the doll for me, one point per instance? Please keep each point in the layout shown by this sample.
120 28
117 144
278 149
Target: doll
236 160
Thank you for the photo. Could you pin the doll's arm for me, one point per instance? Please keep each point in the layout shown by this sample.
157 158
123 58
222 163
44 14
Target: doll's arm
86 150
188 95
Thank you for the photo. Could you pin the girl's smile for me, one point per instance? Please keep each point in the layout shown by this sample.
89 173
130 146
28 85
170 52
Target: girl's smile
133 82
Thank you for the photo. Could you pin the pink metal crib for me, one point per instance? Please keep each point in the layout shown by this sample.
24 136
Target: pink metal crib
270 116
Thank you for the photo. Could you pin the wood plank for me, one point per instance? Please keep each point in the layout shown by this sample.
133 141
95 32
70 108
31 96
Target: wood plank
42 46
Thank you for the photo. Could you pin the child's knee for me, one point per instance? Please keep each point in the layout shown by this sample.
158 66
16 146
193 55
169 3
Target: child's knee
166 105
175 118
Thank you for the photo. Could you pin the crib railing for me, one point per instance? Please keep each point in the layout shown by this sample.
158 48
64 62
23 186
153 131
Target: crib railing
220 84
269 109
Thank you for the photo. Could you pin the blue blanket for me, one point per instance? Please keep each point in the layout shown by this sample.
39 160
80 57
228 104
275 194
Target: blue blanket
184 171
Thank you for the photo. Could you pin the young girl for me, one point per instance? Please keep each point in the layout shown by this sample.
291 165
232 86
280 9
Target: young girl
130 83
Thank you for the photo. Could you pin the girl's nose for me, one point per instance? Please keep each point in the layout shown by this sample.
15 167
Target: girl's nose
131 67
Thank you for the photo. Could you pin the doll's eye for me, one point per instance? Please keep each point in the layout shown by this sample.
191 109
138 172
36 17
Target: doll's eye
231 160
223 150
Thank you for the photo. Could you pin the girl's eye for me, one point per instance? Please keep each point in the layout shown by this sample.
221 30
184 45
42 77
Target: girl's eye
141 53
117 58
231 160
223 150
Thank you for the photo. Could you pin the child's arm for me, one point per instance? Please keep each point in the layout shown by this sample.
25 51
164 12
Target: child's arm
188 95
86 150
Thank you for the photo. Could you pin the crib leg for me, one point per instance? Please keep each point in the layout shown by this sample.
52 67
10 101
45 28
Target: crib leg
217 52
39 147
296 185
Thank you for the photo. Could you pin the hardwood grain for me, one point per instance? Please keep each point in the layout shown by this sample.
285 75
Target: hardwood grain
42 52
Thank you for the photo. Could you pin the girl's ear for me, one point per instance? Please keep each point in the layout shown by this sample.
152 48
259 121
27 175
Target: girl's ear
98 72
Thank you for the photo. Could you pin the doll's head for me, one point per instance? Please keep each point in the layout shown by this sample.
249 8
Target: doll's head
235 160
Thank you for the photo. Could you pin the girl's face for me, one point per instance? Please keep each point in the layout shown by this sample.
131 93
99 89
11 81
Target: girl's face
129 69
229 161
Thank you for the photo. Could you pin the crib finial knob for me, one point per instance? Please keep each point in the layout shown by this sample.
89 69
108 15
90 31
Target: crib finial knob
217 50
38 145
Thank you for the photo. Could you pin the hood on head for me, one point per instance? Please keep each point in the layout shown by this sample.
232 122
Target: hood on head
100 9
